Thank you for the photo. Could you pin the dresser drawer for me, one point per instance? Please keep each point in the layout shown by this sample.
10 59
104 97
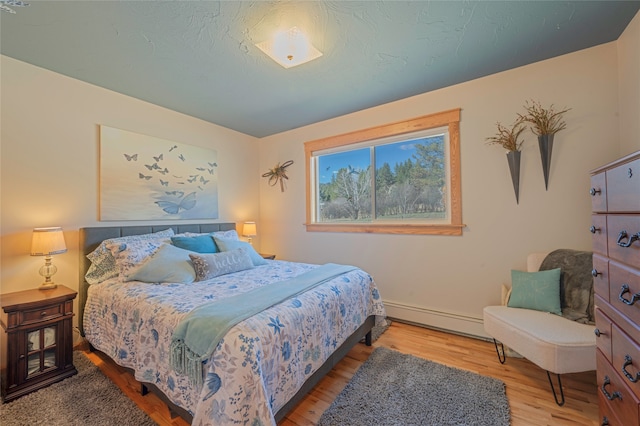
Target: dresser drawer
603 333
623 188
598 192
626 358
624 283
598 231
621 229
617 395
607 415
600 274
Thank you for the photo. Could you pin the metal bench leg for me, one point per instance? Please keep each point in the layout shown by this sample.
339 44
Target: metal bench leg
501 355
555 395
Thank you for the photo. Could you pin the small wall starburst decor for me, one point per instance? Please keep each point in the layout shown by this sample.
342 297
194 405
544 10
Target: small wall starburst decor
278 174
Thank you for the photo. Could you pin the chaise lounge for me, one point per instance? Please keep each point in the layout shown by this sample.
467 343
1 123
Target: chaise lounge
557 343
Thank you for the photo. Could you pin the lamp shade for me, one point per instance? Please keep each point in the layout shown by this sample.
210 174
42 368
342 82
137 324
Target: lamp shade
290 48
47 241
249 229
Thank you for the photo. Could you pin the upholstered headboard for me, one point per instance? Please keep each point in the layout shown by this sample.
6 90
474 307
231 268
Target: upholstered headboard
90 238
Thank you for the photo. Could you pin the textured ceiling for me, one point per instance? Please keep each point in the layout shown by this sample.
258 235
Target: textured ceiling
200 58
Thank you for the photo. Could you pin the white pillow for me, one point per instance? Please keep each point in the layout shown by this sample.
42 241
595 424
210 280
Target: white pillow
103 265
130 255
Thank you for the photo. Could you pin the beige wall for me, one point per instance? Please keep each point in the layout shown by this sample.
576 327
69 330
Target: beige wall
446 281
629 86
49 162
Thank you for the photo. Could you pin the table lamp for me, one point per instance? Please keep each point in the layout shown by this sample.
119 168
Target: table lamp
249 230
47 242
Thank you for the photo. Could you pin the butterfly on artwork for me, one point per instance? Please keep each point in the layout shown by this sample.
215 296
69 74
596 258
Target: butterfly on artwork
164 183
158 158
141 176
186 203
132 157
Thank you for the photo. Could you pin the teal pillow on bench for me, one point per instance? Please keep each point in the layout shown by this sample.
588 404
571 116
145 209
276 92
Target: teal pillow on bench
536 290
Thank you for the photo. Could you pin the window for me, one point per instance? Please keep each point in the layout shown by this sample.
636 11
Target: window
399 178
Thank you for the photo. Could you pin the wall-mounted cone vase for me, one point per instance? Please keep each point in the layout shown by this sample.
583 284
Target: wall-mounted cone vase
513 158
545 143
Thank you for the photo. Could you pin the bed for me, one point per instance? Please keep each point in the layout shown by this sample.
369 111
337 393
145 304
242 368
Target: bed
263 365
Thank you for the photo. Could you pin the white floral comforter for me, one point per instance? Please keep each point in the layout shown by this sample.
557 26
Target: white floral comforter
261 362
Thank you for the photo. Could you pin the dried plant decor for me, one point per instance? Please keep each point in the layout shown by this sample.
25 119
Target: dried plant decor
507 137
543 121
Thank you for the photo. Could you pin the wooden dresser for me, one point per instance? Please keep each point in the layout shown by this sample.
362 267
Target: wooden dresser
615 191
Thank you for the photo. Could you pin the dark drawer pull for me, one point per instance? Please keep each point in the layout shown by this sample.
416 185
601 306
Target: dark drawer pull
628 362
594 191
595 273
605 421
593 229
623 291
623 234
608 395
599 333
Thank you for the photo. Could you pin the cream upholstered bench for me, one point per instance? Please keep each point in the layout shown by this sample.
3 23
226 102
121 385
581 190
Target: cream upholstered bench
552 342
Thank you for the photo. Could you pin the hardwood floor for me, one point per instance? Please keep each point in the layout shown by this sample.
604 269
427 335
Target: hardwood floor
527 385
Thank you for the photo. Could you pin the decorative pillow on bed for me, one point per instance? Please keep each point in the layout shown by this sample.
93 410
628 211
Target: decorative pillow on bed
130 255
198 243
103 265
169 264
536 290
213 265
227 245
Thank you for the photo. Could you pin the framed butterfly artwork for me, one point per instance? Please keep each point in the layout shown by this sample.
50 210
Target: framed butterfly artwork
144 178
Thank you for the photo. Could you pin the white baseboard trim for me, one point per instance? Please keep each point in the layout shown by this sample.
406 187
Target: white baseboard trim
448 321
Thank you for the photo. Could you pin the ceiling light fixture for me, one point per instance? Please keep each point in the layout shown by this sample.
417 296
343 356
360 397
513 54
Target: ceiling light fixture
290 48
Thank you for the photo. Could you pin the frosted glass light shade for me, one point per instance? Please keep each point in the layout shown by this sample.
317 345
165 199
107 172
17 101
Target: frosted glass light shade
289 48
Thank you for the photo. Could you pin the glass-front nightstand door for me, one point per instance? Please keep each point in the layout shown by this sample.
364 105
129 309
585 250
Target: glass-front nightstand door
41 350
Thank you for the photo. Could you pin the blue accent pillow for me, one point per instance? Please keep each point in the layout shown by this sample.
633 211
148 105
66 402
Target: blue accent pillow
227 245
536 290
198 243
169 264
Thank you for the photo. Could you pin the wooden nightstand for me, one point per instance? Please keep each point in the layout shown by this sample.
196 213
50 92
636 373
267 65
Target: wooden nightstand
37 346
268 256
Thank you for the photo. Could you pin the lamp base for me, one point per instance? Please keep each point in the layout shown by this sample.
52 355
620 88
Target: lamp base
47 286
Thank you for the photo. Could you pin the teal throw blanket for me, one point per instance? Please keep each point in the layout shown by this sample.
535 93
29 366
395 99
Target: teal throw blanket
198 334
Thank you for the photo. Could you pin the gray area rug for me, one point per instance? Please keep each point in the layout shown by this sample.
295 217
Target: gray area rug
88 398
392 388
